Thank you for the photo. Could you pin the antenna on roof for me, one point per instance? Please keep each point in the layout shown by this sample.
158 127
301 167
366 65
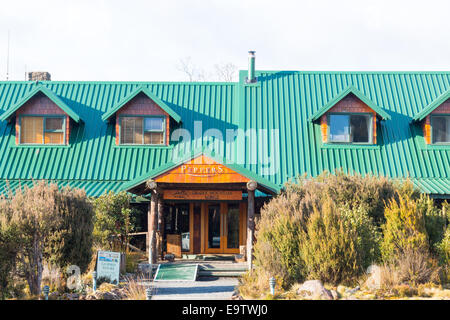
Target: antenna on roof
7 58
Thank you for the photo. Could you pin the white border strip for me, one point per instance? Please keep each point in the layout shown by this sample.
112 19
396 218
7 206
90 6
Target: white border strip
157 270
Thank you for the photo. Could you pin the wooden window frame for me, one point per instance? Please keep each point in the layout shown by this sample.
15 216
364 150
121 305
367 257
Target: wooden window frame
432 130
349 114
163 131
63 131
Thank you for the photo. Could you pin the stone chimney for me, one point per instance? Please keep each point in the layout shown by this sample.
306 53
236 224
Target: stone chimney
39 76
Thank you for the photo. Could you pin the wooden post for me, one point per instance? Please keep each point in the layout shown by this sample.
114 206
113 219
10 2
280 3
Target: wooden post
251 187
159 226
152 222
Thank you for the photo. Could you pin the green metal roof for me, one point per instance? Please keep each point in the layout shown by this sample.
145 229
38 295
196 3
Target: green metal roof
343 94
92 188
436 187
432 106
37 89
280 104
148 93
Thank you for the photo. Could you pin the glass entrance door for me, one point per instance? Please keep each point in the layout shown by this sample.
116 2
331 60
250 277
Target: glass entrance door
223 227
214 226
232 228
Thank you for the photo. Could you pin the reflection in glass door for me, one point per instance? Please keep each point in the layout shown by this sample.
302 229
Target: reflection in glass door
214 226
233 226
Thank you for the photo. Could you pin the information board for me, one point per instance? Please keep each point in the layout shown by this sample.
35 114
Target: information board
108 265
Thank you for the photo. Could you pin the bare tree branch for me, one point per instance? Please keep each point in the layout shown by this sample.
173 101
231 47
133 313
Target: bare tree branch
223 72
226 71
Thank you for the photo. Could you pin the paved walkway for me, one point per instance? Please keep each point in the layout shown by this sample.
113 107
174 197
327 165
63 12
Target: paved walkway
204 289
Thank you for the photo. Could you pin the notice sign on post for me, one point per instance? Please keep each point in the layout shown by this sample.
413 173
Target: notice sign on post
108 265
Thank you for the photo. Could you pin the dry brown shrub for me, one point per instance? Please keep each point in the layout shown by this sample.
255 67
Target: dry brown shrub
417 267
412 267
136 289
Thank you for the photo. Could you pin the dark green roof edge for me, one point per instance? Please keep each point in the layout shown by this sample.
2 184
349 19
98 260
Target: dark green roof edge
50 94
148 93
170 165
432 106
343 94
344 72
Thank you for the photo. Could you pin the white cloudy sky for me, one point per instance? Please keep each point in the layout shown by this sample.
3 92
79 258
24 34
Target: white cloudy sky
145 40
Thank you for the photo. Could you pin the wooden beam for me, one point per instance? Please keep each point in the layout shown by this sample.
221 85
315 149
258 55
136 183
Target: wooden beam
251 187
152 224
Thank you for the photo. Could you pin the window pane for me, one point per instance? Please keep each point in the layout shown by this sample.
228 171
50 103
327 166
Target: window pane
153 138
441 129
131 130
154 124
339 128
54 138
54 123
360 126
31 129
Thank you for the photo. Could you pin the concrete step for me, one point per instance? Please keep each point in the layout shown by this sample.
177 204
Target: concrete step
215 269
222 274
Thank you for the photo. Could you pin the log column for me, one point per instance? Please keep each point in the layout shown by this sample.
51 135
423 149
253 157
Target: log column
251 187
152 222
160 226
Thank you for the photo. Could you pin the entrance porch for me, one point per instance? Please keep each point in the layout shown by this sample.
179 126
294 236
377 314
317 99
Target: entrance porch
199 207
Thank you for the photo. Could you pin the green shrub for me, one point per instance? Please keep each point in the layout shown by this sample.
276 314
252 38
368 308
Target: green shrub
368 235
277 248
114 220
329 247
8 252
71 241
404 228
444 247
352 190
435 221
51 225
404 290
133 259
285 218
444 256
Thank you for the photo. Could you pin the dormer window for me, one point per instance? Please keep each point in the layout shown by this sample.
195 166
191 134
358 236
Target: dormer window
41 117
142 118
349 118
440 129
142 130
42 129
350 128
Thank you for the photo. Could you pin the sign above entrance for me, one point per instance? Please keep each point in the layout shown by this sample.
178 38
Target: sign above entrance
202 195
201 170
